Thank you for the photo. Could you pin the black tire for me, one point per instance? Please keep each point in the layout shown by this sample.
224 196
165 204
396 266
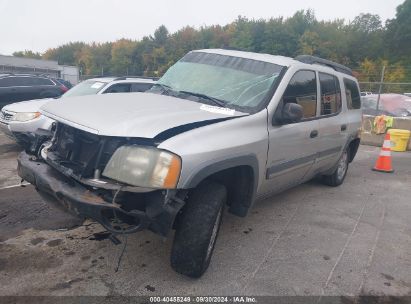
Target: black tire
197 229
338 176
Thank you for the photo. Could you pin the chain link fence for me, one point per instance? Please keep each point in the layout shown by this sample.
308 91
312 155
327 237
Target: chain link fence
386 87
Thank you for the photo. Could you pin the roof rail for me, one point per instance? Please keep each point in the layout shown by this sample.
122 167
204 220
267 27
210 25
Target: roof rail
316 60
26 74
142 77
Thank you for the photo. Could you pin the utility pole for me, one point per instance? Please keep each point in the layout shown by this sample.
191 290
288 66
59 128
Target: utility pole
379 90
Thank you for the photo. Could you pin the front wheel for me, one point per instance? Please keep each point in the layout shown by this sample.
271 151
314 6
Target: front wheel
338 176
197 229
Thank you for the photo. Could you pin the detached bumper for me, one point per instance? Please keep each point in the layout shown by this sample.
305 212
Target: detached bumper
71 196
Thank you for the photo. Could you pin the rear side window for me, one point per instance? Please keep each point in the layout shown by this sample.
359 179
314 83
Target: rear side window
352 93
330 94
302 90
43 81
118 88
6 82
28 81
15 82
140 87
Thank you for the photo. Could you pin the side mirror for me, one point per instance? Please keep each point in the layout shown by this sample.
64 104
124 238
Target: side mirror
291 112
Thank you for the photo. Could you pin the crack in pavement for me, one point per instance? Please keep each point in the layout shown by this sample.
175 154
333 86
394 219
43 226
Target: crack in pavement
371 256
275 241
342 252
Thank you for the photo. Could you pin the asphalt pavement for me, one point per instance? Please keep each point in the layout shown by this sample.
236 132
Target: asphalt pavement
312 240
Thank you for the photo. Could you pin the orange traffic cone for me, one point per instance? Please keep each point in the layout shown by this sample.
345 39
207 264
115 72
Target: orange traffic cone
383 163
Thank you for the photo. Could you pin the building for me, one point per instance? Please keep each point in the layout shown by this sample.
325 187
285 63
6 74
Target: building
11 64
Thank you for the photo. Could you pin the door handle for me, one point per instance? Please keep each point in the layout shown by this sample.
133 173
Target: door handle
343 127
314 133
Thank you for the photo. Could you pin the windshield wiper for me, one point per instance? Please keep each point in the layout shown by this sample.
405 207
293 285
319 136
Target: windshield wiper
166 88
217 101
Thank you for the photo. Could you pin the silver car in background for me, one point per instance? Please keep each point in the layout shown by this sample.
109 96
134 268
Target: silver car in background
21 119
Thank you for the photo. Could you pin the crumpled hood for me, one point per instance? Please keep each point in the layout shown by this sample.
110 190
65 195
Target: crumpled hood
28 105
132 114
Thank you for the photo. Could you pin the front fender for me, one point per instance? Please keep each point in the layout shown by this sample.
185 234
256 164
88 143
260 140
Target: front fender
208 170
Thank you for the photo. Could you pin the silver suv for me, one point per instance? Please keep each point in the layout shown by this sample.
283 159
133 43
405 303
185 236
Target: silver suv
220 129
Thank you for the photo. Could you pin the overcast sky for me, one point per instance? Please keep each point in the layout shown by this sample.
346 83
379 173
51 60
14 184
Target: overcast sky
40 24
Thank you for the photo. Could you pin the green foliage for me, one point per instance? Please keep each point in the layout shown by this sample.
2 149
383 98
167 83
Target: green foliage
364 44
27 54
121 56
398 34
66 54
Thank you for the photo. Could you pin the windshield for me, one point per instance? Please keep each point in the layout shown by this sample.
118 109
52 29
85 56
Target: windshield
87 87
236 82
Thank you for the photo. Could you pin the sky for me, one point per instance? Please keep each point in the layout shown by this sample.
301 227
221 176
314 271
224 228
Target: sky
41 24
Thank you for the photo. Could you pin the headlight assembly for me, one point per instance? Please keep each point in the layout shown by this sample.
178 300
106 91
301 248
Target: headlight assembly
144 167
25 116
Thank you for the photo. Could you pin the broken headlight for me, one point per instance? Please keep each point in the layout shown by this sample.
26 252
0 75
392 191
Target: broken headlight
144 167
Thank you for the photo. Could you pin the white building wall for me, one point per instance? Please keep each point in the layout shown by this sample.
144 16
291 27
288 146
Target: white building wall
11 64
69 73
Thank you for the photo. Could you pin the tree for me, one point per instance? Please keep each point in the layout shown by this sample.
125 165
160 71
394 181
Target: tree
364 44
65 54
27 54
367 23
121 57
398 34
161 35
309 43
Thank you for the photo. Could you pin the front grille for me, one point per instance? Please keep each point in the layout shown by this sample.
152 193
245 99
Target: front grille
5 115
80 151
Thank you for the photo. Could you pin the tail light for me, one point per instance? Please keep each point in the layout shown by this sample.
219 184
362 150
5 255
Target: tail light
63 88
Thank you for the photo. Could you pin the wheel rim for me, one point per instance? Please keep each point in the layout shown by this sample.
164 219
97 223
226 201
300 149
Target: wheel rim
342 166
214 234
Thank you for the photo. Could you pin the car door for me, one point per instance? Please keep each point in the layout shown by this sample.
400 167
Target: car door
293 147
8 91
332 122
44 88
24 88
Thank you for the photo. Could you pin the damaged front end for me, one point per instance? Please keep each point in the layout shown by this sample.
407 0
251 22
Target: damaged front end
69 171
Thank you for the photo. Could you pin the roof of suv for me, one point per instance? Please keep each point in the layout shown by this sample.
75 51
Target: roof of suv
25 75
303 60
280 60
124 79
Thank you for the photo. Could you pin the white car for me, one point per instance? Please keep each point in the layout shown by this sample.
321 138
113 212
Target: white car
21 119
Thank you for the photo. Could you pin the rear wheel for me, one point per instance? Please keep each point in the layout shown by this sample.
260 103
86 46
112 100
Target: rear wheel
197 229
338 176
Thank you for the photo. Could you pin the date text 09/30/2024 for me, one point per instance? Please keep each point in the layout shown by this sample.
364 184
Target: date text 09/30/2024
205 299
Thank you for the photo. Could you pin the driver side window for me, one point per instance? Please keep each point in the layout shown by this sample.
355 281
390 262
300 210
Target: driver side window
302 90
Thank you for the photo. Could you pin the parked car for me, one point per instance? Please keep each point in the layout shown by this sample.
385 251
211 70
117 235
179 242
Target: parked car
64 82
220 128
20 120
19 87
396 105
366 93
